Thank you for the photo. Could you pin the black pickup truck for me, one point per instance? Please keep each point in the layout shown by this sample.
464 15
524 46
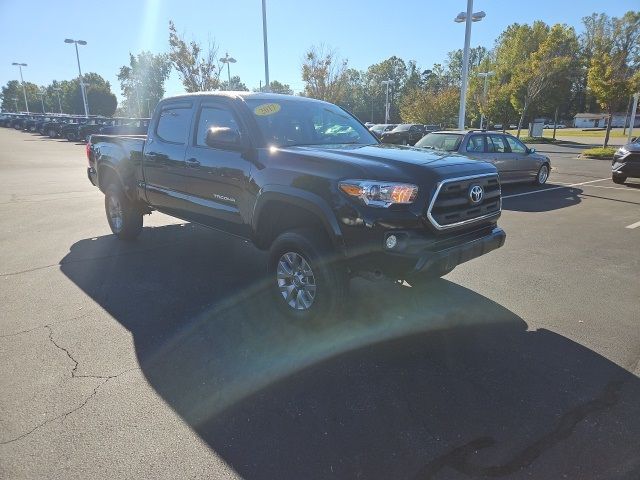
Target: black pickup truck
307 181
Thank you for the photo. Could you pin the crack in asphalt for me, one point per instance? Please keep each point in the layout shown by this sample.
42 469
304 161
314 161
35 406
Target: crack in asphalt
459 458
74 374
22 332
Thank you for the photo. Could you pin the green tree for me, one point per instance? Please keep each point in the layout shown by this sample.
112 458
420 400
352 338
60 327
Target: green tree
235 85
394 69
614 70
324 74
277 87
142 82
421 106
198 68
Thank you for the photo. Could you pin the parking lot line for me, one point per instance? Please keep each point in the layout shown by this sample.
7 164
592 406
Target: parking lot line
554 188
633 225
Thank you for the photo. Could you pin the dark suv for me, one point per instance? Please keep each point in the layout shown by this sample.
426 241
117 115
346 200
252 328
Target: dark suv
626 162
404 134
513 159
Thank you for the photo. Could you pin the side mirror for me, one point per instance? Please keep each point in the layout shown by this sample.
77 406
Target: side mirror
223 137
531 150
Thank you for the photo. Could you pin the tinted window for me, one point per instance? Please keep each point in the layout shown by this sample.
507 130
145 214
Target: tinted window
213 117
402 127
495 144
173 125
515 145
449 142
476 144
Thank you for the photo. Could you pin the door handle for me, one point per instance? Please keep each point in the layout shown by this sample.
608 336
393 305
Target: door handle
192 162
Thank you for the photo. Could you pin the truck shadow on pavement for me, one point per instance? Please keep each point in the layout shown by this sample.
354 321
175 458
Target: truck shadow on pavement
523 201
433 383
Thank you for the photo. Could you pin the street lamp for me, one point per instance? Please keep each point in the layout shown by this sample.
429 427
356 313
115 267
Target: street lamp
84 94
24 90
634 109
227 59
58 90
386 103
486 76
467 17
16 102
42 100
266 47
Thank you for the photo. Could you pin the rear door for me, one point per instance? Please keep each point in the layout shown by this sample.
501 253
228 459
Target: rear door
164 152
218 176
501 157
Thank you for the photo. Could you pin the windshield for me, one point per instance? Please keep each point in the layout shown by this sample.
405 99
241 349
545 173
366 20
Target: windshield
402 128
448 142
294 122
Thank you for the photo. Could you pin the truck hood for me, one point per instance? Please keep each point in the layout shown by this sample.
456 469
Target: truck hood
384 159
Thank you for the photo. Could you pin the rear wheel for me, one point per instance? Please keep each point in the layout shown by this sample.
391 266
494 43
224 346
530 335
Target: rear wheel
543 175
124 218
306 280
619 179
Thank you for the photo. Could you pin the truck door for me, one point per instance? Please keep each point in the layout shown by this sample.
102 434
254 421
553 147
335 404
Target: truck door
217 176
163 160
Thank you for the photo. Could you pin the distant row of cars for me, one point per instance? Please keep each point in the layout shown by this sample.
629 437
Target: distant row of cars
71 127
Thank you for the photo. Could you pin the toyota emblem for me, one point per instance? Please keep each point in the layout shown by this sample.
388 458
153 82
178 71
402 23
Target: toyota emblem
475 194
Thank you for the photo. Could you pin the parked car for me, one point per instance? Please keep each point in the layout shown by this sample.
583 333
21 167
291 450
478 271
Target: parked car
327 206
626 162
404 134
127 126
379 129
513 159
92 127
551 125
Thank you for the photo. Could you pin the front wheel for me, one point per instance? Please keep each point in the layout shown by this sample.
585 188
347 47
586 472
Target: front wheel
618 179
542 176
124 218
306 280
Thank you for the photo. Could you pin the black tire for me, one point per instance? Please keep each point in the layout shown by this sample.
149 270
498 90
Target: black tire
541 177
327 273
125 221
619 179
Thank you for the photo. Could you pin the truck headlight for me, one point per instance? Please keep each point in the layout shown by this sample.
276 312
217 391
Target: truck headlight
380 194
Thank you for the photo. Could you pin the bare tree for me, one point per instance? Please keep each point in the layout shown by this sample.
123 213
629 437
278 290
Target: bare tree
199 69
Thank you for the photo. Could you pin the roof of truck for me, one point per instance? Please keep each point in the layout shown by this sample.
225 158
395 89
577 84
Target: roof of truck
253 95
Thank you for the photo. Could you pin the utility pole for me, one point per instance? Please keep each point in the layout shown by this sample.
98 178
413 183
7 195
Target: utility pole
16 102
386 103
486 76
626 116
59 102
555 123
42 100
634 109
24 90
266 47
467 18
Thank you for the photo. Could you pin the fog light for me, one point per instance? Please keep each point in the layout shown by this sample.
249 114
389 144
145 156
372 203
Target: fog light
391 242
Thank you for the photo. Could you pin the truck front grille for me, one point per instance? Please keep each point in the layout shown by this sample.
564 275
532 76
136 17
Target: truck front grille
452 205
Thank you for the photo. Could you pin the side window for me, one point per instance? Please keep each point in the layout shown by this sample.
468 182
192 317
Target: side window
495 144
173 125
515 145
213 117
476 144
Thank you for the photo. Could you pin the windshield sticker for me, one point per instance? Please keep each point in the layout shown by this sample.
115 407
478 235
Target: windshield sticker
267 109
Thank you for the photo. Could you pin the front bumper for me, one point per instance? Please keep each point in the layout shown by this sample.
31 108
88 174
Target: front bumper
419 255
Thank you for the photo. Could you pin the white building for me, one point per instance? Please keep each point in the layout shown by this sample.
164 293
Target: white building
599 120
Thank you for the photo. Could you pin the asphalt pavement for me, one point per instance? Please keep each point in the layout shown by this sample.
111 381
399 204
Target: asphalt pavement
163 359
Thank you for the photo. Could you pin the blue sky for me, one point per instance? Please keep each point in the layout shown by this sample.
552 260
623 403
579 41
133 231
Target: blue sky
364 32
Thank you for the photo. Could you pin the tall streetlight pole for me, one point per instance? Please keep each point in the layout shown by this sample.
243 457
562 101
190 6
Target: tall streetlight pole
486 76
16 102
634 109
386 103
24 90
467 18
59 102
266 47
227 59
84 94
42 100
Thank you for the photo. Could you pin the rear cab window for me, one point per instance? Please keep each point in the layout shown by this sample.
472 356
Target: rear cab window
173 123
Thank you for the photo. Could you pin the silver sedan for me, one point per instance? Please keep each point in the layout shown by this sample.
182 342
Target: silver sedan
513 159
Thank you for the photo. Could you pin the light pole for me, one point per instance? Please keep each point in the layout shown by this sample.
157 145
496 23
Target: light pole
386 103
227 59
42 100
149 107
486 76
266 47
84 94
59 102
16 102
467 18
634 109
24 90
